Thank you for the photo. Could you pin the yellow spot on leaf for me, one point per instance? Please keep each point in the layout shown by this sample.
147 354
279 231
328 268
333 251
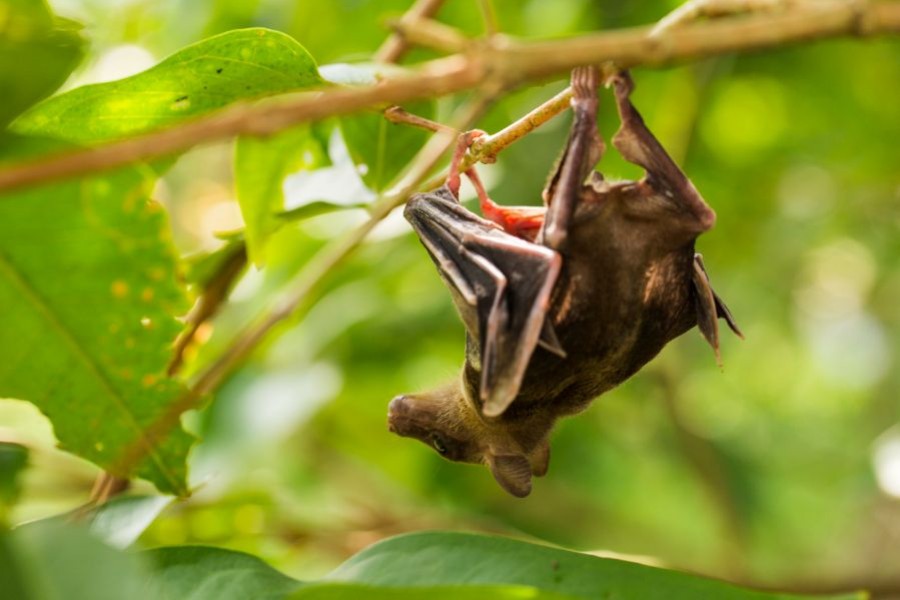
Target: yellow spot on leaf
204 332
147 294
119 288
148 380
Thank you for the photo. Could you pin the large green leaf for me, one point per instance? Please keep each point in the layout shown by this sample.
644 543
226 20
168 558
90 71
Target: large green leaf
59 561
199 572
88 286
344 591
429 559
13 460
242 64
380 148
37 53
261 164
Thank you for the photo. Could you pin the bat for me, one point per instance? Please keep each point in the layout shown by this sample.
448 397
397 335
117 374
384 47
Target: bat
562 302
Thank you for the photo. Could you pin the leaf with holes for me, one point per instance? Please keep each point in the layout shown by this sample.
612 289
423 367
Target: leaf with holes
89 287
237 65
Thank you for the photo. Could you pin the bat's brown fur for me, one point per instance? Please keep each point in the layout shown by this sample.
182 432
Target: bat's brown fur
629 283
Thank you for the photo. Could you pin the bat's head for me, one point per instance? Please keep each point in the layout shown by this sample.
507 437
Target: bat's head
448 422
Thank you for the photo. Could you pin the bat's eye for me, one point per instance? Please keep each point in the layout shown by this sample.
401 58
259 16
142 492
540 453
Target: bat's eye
438 444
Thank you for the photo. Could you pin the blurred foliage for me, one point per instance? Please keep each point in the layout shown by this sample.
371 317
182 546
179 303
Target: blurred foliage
783 468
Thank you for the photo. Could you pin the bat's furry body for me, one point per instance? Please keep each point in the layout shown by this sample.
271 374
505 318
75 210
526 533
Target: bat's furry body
563 313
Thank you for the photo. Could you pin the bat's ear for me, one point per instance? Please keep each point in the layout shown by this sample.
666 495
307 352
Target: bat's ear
540 459
512 472
710 308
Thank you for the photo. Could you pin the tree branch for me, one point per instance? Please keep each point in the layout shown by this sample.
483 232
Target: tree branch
494 63
396 45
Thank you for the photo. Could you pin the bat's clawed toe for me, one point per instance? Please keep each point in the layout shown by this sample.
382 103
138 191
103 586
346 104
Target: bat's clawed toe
463 143
622 83
585 82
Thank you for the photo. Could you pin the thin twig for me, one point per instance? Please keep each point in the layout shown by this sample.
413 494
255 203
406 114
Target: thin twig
213 294
489 16
501 63
400 116
486 148
396 45
429 33
695 9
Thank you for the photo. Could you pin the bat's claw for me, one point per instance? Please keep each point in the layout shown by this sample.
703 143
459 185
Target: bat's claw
622 83
464 142
585 82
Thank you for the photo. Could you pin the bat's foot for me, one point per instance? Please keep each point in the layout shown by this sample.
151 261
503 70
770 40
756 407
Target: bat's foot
622 84
462 146
585 82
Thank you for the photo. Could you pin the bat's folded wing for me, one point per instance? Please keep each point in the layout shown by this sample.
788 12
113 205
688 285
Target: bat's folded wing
501 286
710 308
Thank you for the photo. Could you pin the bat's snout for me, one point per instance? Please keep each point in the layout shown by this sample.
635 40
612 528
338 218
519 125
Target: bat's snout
398 413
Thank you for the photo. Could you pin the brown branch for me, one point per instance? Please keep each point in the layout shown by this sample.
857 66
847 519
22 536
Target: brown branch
695 9
213 294
396 45
400 116
498 63
429 33
486 148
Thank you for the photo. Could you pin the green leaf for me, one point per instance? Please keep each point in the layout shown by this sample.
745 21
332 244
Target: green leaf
383 149
380 148
59 561
13 460
121 520
199 572
89 287
427 559
261 164
237 65
37 54
316 208
338 591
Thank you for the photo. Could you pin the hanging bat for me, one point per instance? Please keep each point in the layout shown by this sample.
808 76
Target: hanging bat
563 302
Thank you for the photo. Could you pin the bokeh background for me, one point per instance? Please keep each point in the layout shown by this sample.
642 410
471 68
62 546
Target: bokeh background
781 468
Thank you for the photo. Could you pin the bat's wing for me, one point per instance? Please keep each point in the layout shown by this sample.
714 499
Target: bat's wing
500 284
710 308
583 150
